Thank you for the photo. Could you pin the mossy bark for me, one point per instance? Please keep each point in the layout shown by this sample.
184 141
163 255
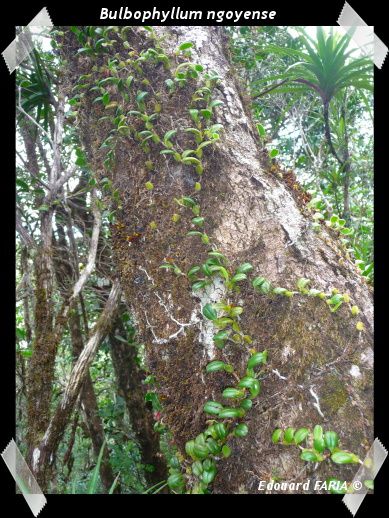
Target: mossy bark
44 346
253 213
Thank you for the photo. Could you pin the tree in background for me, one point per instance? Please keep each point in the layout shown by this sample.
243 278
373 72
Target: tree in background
299 73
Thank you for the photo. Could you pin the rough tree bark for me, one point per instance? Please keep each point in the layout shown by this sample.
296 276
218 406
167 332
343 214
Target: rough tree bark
320 366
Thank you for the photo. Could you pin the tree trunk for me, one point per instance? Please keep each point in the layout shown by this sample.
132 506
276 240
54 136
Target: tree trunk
320 366
129 378
44 347
90 408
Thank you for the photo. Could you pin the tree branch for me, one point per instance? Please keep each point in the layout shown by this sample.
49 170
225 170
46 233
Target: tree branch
23 233
56 428
92 252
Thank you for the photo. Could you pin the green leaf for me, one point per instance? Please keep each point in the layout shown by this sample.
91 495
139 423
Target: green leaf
274 153
167 266
262 285
310 456
140 97
168 136
197 468
218 365
206 270
215 103
188 202
314 293
199 285
207 114
235 311
238 277
241 430
170 84
114 484
246 404
289 435
105 98
252 384
176 481
257 359
194 114
189 448
23 185
217 255
280 291
198 221
276 436
208 476
209 312
196 210
220 269
344 457
200 450
226 450
154 400
244 268
233 393
300 435
185 45
191 160
223 322
318 440
331 440
212 407
231 413
261 130
302 284
220 337
92 487
219 431
213 446
193 270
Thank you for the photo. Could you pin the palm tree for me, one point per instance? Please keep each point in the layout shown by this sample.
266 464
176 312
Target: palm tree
326 67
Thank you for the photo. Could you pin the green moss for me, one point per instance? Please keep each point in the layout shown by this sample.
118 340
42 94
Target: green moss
334 395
